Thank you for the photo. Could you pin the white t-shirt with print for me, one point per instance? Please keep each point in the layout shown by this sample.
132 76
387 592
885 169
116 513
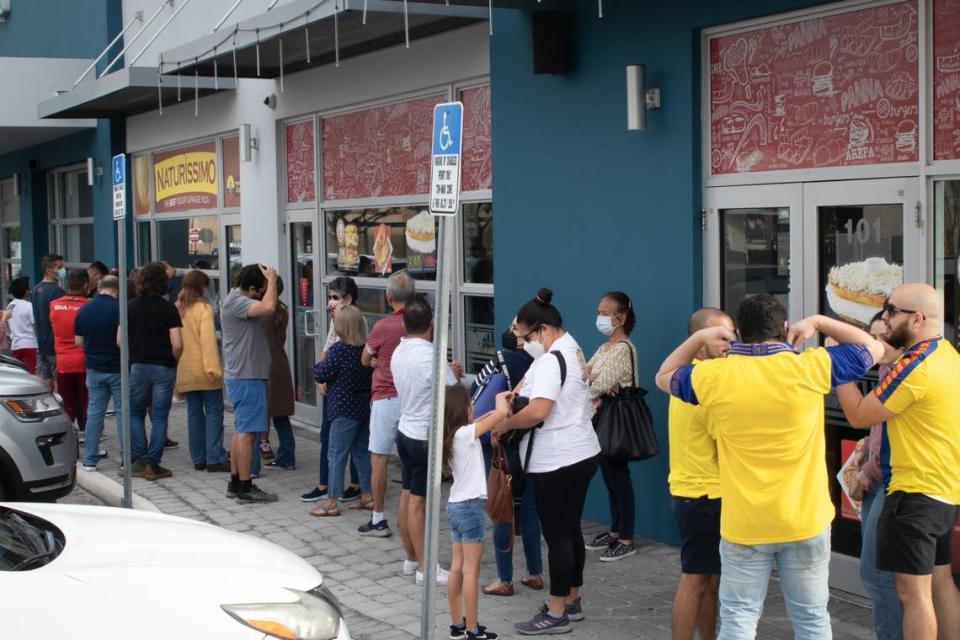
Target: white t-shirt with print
567 434
23 334
469 474
412 369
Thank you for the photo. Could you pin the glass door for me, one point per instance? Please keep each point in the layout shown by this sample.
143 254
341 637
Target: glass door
304 319
861 240
753 241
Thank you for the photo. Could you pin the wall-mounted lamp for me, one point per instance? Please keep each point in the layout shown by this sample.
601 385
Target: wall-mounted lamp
247 142
16 184
639 97
93 172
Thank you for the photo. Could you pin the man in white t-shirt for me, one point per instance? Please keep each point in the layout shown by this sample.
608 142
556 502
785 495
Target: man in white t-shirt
412 370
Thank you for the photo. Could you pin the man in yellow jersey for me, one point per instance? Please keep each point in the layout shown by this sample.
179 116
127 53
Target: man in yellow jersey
695 500
920 458
765 407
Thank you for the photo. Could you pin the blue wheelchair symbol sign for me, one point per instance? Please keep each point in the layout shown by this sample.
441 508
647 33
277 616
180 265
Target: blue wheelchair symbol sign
119 170
447 125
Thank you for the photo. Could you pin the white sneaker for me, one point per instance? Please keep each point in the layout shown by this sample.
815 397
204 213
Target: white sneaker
409 567
87 467
442 576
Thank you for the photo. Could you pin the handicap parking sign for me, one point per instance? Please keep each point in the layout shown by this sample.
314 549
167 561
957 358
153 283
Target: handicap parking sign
119 175
445 158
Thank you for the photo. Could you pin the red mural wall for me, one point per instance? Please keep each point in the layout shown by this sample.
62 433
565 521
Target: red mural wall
833 91
301 162
477 139
946 79
384 151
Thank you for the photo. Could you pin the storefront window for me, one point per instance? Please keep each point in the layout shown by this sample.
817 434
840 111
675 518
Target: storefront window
10 221
71 216
191 243
478 333
373 243
143 243
76 196
478 243
234 251
947 253
756 255
78 243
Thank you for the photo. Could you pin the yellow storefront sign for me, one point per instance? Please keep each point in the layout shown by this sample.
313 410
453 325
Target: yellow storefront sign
194 172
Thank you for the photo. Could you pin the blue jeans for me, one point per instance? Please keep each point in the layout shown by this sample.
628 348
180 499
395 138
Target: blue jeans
887 613
324 478
287 445
804 568
205 426
348 437
100 388
529 527
150 384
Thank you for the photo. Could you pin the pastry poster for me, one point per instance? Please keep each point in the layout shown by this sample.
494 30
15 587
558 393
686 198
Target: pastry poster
348 246
421 237
946 79
141 184
832 91
383 251
231 171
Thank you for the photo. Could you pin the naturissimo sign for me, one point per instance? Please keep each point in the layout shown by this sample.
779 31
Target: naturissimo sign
186 178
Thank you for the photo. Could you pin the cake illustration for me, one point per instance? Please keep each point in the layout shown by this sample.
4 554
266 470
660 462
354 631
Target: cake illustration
421 233
856 291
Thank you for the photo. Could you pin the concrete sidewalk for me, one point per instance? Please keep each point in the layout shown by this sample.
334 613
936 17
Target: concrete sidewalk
626 599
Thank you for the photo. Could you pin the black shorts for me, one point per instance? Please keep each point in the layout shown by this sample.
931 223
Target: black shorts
913 533
413 464
698 520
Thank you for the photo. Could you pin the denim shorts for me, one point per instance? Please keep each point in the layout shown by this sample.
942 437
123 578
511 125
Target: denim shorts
249 399
384 419
467 520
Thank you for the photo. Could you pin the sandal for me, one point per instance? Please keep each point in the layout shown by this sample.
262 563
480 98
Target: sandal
498 588
532 582
363 504
323 511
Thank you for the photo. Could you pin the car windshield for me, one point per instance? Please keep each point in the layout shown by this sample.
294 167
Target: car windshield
26 542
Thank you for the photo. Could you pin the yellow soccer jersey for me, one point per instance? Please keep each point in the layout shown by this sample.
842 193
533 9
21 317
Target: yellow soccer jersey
693 453
921 444
765 404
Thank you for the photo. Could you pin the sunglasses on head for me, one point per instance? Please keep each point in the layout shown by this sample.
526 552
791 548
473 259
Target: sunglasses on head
891 309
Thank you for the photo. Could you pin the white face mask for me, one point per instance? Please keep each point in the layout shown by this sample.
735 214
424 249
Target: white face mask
534 348
334 305
605 325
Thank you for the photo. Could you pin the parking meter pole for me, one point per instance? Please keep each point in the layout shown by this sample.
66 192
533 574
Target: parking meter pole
435 457
124 364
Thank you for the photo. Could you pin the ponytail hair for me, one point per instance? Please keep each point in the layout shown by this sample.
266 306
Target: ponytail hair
456 413
539 312
624 307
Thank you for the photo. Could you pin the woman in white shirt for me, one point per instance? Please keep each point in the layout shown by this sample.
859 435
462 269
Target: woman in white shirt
564 455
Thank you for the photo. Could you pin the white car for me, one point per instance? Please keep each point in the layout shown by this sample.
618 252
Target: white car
69 571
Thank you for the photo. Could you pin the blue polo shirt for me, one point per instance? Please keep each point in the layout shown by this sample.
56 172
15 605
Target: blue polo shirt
97 322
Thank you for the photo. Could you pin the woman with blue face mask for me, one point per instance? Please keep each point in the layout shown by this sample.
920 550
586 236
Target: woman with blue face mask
611 368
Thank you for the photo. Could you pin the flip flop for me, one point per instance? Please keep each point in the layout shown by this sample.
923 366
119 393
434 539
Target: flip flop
323 511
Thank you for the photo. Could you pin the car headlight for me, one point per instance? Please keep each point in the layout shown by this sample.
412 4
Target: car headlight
32 409
315 616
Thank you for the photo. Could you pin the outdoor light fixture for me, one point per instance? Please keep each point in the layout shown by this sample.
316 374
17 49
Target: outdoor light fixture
16 184
247 142
91 176
639 98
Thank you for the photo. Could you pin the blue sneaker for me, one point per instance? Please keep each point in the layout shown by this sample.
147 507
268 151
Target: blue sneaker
379 530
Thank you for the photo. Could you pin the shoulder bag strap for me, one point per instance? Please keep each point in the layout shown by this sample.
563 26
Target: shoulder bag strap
504 370
563 380
633 362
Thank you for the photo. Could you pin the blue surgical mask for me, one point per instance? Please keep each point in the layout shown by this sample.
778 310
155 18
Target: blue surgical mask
605 325
62 274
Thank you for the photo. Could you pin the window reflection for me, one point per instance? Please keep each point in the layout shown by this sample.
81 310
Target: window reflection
478 243
192 243
947 248
373 243
756 255
478 332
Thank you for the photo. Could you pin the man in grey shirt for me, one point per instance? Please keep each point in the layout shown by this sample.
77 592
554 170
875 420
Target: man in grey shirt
246 368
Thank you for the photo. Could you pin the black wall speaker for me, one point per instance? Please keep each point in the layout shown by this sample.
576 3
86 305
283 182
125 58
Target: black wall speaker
551 42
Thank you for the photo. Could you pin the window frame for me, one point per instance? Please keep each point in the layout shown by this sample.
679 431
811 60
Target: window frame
15 266
57 221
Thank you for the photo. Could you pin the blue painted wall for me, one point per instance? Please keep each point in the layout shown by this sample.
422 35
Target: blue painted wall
585 206
59 28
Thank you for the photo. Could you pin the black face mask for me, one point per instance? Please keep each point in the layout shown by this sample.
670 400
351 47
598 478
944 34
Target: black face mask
508 340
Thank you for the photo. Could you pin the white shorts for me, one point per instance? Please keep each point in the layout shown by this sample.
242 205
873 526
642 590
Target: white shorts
384 420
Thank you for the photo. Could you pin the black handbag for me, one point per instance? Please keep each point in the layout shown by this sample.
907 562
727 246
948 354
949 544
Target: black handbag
512 439
624 423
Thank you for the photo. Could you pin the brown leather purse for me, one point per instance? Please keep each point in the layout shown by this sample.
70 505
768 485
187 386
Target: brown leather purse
500 488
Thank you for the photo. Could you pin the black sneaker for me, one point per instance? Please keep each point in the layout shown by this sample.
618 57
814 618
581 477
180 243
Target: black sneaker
600 542
482 634
233 490
458 632
256 494
352 494
314 494
618 551
379 530
171 444
544 624
218 467
199 466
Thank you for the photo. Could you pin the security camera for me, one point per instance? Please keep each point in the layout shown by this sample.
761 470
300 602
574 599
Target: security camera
271 101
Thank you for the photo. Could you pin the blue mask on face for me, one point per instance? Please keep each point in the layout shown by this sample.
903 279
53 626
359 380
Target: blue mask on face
62 274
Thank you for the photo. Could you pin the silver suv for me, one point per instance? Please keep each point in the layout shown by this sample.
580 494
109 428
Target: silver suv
38 446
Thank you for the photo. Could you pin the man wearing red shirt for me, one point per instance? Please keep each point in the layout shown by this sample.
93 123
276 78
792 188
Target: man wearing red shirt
71 368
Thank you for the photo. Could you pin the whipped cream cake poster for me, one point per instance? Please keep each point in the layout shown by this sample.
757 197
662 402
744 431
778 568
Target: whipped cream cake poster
421 237
833 91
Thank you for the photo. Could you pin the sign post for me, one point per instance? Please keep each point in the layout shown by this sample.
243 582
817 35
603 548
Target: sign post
444 202
119 174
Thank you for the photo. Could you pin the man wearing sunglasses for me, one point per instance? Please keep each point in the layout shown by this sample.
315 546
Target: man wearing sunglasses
920 458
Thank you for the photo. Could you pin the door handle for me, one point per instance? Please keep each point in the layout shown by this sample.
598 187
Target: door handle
307 315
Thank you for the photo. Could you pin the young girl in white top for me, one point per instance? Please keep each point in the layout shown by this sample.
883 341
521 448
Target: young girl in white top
466 506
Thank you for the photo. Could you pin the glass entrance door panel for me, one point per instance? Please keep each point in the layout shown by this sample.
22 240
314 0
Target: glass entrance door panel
303 318
752 235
